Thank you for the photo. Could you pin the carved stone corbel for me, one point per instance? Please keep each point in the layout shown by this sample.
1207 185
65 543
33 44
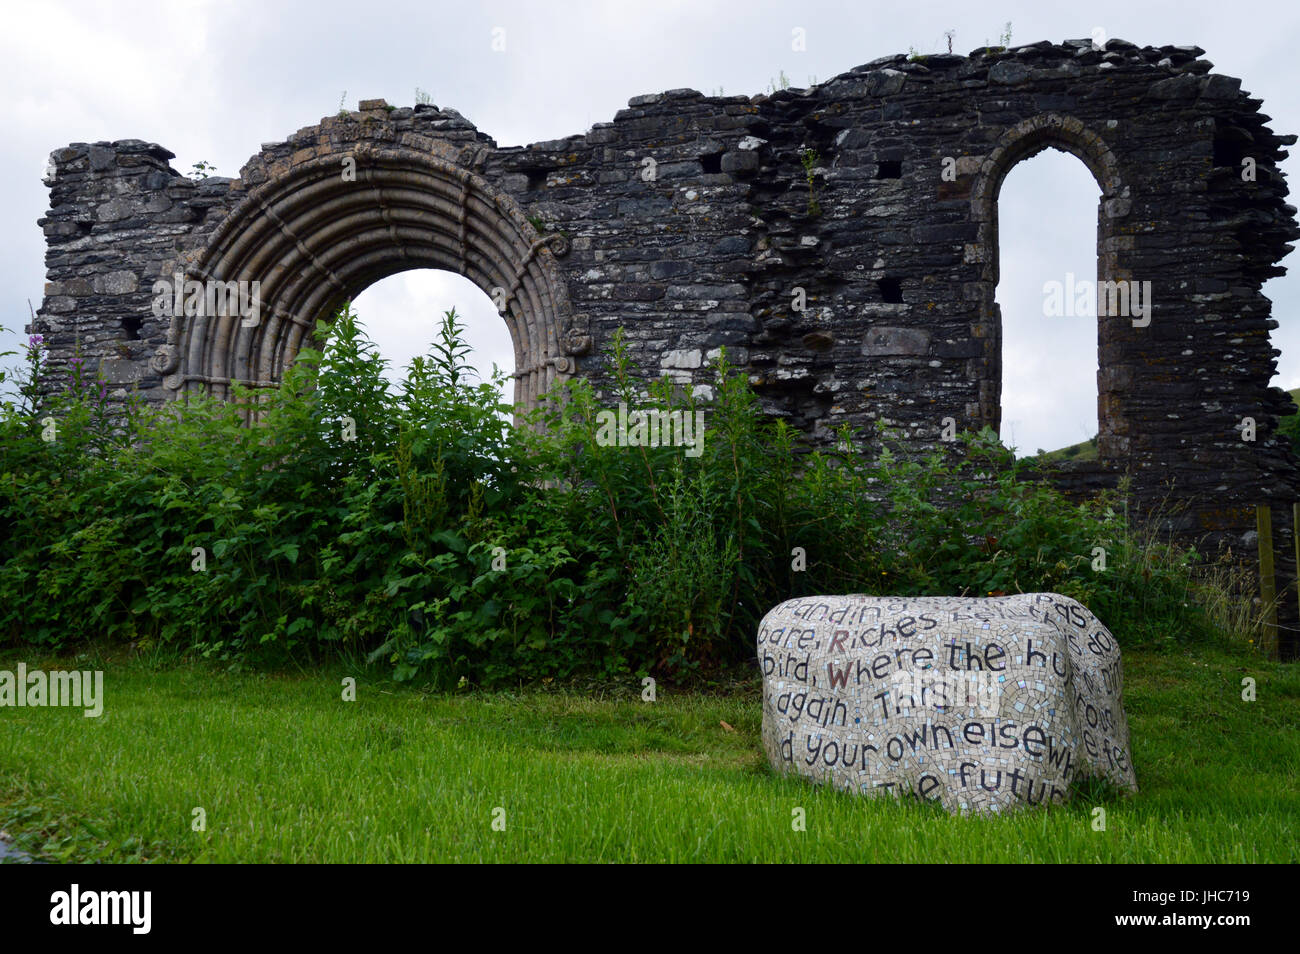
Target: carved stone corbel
577 340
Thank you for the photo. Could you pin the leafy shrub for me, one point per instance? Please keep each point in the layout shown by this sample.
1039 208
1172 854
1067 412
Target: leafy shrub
419 529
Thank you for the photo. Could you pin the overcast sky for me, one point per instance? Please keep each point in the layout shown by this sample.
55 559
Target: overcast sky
212 81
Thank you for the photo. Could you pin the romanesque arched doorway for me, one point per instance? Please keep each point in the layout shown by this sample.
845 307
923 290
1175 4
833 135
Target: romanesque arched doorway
319 230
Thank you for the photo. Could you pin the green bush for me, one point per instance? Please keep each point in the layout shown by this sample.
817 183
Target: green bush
419 529
1289 429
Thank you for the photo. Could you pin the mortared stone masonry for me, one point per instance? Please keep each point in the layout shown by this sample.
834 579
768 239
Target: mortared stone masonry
840 242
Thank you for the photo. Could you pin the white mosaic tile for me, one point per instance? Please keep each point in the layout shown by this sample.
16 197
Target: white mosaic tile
981 704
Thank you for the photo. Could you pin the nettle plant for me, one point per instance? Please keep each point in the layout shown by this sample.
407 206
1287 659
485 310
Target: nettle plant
417 528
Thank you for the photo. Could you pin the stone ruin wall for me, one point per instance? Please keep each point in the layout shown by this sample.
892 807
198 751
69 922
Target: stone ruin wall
688 221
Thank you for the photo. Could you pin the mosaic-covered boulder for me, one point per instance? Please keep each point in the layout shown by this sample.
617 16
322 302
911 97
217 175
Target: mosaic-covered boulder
980 704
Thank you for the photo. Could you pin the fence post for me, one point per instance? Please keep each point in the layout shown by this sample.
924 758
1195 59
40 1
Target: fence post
1267 584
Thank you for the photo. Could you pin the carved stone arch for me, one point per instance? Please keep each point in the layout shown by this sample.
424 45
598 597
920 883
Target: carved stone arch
1022 141
312 237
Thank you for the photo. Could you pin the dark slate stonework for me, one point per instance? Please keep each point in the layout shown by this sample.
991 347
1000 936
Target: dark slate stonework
692 222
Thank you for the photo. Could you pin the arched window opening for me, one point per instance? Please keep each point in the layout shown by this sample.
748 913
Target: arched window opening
1047 215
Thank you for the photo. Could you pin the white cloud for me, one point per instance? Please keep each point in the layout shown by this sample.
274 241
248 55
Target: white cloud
402 313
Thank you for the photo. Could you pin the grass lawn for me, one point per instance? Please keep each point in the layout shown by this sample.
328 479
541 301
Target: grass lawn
287 772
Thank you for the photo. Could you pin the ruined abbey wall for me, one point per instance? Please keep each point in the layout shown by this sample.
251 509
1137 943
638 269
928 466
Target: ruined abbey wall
840 242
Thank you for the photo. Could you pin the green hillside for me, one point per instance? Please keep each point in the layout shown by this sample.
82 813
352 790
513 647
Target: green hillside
1290 426
1084 450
